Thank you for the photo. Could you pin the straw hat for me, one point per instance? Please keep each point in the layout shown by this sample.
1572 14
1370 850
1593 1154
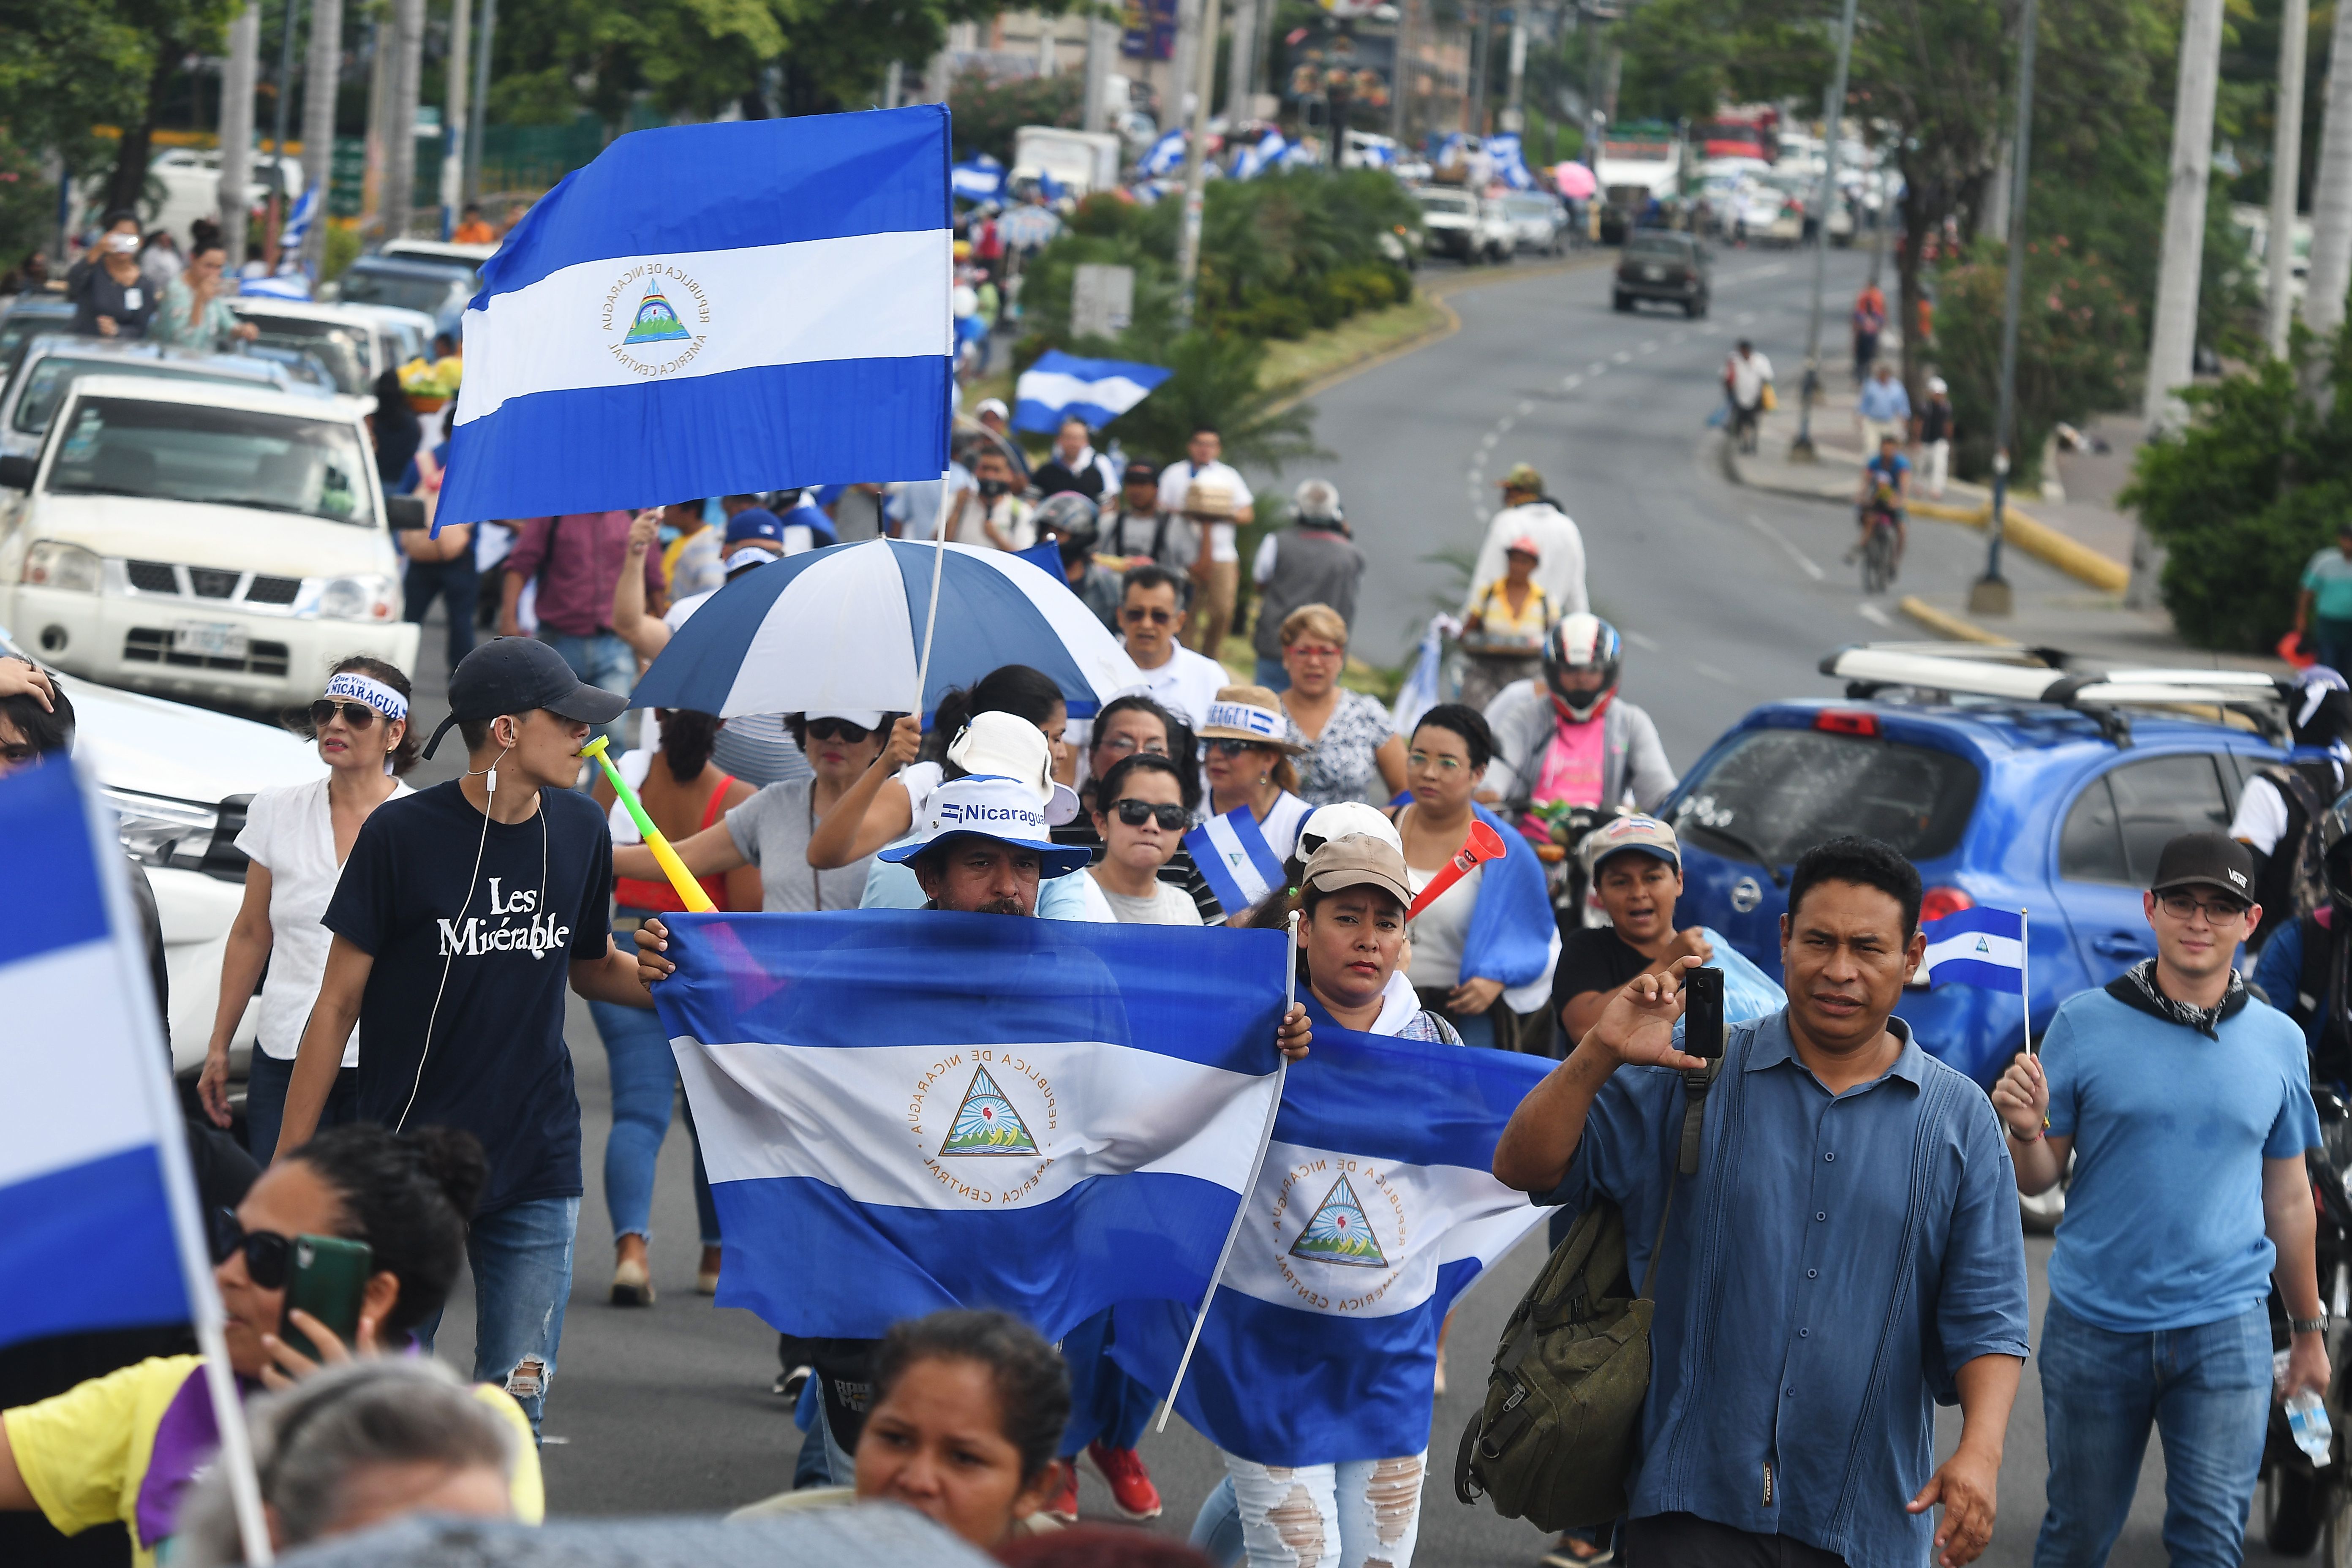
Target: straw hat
1250 713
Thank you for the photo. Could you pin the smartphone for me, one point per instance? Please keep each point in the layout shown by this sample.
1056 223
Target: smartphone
1702 1013
327 1279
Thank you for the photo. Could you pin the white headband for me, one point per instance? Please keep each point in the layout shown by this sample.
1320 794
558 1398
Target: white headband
366 688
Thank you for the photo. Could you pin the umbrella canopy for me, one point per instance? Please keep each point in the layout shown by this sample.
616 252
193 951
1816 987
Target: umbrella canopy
843 628
1574 180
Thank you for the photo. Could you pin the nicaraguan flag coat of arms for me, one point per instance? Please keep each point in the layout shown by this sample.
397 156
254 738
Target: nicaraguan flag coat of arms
902 1111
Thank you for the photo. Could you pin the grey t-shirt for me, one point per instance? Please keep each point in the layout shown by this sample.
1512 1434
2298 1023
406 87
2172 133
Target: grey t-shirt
1169 905
771 830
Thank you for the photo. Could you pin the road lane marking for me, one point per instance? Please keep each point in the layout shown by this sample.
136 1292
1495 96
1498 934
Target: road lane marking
1622 356
1811 568
1527 406
1572 382
1878 616
1596 368
1745 317
1650 347
1712 673
1486 442
1646 644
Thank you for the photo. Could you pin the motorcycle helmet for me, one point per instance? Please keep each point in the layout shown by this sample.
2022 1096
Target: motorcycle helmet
2321 713
1582 643
1073 520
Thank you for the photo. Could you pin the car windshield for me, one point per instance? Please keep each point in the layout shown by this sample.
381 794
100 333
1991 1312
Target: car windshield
228 456
1777 793
341 346
1657 247
410 291
46 382
1446 202
18 328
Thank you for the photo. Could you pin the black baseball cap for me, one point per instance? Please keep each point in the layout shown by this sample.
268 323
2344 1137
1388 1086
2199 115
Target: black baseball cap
1138 470
2208 861
515 675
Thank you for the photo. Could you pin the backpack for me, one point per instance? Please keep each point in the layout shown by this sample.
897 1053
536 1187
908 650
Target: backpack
1555 1441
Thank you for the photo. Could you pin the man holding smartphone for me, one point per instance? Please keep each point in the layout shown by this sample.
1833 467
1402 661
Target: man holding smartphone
463 912
1769 1435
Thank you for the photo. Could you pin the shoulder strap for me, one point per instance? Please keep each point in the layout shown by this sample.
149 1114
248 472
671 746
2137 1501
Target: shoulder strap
711 808
1694 1088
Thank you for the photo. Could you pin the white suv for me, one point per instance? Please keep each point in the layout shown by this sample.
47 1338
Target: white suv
202 540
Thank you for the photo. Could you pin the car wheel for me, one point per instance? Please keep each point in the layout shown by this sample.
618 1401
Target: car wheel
1691 308
1621 302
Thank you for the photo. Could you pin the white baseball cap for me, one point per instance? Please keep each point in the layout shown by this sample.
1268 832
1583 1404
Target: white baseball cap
982 805
1006 745
1348 819
864 717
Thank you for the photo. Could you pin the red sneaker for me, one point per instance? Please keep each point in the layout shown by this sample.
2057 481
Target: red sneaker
1131 1491
1065 1506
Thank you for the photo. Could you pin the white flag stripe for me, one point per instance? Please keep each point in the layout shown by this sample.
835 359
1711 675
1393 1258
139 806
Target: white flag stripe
1421 1217
860 609
818 299
1058 389
1236 858
849 1117
74 1090
2005 952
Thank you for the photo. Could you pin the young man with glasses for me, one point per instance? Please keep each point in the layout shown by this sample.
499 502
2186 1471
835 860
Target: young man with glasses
2186 1106
1151 614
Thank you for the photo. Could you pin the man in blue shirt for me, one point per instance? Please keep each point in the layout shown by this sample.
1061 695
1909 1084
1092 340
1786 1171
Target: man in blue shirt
1846 1257
2187 1107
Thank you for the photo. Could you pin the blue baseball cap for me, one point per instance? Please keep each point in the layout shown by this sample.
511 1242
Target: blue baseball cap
989 806
757 523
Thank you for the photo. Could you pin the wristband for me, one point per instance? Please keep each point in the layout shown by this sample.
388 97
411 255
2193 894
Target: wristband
2039 1132
2317 1325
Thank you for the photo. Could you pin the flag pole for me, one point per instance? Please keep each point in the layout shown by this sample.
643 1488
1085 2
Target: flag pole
931 618
2024 991
188 1235
1249 1188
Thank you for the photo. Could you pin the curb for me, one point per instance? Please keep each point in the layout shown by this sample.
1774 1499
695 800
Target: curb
1945 624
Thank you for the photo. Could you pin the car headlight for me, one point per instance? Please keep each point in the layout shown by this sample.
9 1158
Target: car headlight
368 598
158 830
51 564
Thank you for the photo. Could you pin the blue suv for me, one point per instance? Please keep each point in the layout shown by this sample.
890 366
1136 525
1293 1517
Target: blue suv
2056 810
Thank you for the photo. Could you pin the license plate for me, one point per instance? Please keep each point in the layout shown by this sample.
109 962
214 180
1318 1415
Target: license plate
1653 273
209 639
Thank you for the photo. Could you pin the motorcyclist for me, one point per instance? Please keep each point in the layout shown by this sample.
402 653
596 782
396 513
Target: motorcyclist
2282 799
2306 968
1565 738
1886 492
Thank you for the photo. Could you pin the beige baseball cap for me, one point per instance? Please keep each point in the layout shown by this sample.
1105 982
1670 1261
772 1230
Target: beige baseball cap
1646 834
1359 861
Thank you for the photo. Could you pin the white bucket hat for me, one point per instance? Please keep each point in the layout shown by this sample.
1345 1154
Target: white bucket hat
982 805
1005 746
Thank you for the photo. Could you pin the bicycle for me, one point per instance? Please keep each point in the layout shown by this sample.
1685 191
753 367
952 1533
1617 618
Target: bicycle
1878 550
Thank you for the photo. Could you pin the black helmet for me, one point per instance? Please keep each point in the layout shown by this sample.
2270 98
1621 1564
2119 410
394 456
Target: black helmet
1073 520
1582 642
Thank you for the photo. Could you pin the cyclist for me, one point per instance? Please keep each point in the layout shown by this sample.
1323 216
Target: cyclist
1566 737
1886 492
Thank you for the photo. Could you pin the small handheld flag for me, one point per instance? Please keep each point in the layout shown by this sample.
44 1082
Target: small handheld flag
665 857
1976 947
1060 387
1241 866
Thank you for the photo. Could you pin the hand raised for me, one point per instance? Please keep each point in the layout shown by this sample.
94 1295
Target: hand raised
1637 1027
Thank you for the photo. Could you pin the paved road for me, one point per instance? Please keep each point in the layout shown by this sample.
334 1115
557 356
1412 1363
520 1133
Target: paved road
1729 598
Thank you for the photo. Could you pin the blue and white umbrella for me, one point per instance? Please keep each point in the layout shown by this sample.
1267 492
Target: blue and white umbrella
843 628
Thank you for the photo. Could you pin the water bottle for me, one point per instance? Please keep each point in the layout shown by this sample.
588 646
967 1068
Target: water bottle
2308 1419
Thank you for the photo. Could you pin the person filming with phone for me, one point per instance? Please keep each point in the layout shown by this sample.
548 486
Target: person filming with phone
1768 1433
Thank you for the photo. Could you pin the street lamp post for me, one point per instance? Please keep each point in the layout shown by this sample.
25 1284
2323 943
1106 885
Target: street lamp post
1801 451
1188 245
1989 594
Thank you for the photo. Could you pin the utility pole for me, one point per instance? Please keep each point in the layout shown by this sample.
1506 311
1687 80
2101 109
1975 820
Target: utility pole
1400 78
1514 118
481 103
453 117
1989 594
1480 62
1183 64
1102 45
1238 63
2171 355
275 221
1188 247
408 67
1801 451
244 62
2286 167
321 77
2331 195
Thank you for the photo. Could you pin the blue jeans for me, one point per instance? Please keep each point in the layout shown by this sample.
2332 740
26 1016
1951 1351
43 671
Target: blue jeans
265 1101
1273 674
644 1081
522 1257
457 584
603 660
2208 1391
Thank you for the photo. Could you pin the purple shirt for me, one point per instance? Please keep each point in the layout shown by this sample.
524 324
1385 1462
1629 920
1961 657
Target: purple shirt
577 558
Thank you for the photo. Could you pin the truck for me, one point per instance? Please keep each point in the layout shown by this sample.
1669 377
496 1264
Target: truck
1638 155
1079 162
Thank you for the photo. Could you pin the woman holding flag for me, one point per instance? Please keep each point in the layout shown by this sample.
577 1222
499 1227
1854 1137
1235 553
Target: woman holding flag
1248 762
1491 933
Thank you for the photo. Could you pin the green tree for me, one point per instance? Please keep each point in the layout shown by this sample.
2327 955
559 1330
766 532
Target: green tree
987 112
65 68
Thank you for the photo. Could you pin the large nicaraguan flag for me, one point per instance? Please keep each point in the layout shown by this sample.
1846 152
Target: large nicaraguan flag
902 1111
1976 947
89 1139
1060 387
713 309
1376 1208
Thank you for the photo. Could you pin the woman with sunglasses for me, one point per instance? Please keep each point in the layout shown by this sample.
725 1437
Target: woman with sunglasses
1144 806
1248 762
125 1448
295 840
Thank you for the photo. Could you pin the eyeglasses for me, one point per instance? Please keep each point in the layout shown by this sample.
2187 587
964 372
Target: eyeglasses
358 715
1137 615
838 729
2184 906
1317 651
1127 745
268 1254
1423 760
1136 812
1231 748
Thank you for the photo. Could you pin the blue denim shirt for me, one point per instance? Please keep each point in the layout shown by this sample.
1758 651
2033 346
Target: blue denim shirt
1823 1274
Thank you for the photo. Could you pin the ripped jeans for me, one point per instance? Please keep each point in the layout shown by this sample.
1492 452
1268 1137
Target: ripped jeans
1360 1513
521 1258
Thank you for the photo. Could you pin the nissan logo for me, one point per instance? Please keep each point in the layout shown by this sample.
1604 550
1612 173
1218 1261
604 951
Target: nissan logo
1746 895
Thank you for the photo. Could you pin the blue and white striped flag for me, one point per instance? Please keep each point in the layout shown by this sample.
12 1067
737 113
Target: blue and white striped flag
1976 947
980 179
1167 154
943 1109
1377 1206
1254 161
710 309
1095 390
1240 865
90 1135
1510 164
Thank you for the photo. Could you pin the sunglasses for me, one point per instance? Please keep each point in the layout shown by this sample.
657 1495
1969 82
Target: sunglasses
268 1256
2184 906
358 715
1136 812
1138 616
838 729
1231 748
